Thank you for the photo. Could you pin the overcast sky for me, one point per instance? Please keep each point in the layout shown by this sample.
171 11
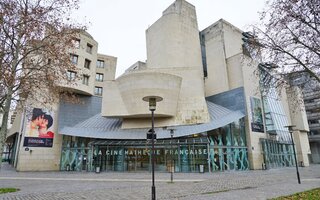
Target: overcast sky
119 25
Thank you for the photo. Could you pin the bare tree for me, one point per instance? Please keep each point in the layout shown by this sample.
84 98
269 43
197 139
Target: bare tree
35 39
287 42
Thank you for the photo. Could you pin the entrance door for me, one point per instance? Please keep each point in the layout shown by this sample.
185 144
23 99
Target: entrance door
137 159
143 162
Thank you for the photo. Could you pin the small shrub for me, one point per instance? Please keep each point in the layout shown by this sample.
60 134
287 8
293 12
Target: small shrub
7 190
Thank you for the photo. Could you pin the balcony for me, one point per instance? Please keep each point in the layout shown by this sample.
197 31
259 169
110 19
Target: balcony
311 95
312 116
314 126
132 87
314 138
312 105
76 87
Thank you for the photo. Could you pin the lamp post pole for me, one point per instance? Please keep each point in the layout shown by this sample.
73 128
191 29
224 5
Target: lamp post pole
171 153
153 188
290 128
152 107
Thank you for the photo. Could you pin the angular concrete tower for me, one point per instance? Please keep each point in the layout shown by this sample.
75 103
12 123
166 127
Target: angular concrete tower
173 71
173 46
173 40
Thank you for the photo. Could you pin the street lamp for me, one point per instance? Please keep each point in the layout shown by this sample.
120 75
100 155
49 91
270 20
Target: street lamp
171 153
152 107
290 128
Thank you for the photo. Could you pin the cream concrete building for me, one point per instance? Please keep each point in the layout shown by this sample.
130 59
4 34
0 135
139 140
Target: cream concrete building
32 152
212 116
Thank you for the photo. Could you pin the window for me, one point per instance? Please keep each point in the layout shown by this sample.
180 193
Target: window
76 43
100 64
89 48
71 75
313 121
98 91
85 80
99 77
87 63
74 58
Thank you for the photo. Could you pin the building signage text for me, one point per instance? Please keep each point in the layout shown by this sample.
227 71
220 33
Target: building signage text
126 152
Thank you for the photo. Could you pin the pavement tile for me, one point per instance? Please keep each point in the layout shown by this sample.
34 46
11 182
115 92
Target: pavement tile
252 184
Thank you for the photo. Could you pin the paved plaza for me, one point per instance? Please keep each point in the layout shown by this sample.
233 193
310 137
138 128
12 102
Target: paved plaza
258 184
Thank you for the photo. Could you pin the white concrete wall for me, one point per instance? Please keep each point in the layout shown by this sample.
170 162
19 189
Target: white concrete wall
173 40
251 89
232 39
40 158
136 85
173 46
191 106
217 79
302 147
109 69
234 71
78 86
222 43
112 102
297 109
299 120
228 70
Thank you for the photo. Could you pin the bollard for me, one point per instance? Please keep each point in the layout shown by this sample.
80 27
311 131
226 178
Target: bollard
201 168
264 167
97 169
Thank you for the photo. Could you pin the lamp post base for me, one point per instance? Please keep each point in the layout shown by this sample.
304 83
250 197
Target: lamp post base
298 176
153 191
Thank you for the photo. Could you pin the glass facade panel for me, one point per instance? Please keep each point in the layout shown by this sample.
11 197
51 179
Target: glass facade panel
277 154
185 158
74 156
217 150
227 148
276 119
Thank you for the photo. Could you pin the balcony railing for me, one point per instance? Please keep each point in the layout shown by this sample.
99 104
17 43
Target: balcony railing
314 138
313 105
314 126
312 116
311 95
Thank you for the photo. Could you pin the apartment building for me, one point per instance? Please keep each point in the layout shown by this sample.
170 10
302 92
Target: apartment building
32 151
311 97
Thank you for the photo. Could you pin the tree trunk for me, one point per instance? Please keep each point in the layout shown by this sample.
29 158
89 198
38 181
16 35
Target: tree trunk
4 126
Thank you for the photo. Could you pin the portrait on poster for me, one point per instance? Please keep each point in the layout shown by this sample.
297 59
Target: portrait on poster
39 128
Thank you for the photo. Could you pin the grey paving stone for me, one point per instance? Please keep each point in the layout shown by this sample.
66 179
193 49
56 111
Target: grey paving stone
246 185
